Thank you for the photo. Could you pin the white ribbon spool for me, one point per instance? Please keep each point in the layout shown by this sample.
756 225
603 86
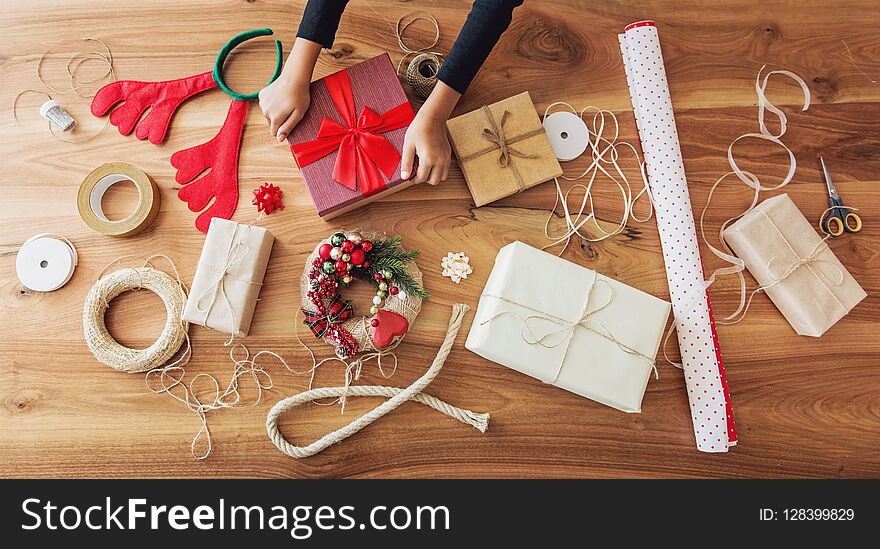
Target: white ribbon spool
568 135
45 262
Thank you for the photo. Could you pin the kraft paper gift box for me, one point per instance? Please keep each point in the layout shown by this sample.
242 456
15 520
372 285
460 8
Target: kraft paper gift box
502 149
348 144
229 276
568 325
794 266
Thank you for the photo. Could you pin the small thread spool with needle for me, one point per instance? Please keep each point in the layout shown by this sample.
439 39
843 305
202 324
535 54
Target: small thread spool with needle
52 111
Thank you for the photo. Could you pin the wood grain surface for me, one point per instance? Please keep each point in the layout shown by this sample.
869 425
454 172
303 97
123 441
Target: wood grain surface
804 407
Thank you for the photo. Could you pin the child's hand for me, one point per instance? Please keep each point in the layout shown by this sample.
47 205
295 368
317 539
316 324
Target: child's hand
284 102
426 139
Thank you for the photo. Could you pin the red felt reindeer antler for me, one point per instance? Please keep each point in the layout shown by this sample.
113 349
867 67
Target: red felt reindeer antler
220 155
162 98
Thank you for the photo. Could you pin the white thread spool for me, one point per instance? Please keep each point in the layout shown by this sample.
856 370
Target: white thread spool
52 111
45 262
567 133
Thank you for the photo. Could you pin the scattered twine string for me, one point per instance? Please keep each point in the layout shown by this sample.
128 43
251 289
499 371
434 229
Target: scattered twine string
396 397
604 154
75 83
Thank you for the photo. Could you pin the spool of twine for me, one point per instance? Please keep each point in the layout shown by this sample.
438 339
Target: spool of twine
110 352
421 74
424 65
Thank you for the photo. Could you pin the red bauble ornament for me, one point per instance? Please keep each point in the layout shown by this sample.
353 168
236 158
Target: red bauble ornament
394 290
377 277
357 257
367 246
324 251
374 322
341 266
347 246
366 265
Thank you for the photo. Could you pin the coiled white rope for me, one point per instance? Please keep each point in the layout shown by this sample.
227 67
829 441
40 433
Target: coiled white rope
396 396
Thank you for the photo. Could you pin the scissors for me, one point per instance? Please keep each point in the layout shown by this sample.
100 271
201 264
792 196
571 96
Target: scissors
839 219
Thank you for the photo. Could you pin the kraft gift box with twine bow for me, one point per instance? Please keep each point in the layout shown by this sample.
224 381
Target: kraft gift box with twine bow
348 145
794 266
569 326
502 149
229 276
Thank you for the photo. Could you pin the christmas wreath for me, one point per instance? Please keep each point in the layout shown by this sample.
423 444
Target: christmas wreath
369 257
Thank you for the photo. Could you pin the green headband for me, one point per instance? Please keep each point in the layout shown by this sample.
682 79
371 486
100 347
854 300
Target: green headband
224 53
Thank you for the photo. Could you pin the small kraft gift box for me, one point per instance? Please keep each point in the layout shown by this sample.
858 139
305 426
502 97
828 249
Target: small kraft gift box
502 149
569 326
229 276
348 145
794 266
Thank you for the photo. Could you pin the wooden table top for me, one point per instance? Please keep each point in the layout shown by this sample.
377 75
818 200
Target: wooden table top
804 407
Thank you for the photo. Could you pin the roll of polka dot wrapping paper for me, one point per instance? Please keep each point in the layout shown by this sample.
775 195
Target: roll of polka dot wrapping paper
703 368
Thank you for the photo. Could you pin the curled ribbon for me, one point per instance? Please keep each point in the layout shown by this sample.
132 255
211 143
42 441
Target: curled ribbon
737 266
364 155
605 153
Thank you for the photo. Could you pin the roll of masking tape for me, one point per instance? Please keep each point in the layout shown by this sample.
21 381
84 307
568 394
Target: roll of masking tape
568 135
45 262
97 183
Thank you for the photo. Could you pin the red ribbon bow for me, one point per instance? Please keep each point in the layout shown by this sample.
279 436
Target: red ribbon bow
364 155
334 313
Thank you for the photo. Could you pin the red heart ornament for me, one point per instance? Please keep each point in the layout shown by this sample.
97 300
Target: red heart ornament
390 325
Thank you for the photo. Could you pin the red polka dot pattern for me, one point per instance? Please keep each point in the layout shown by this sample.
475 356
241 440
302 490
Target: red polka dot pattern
703 368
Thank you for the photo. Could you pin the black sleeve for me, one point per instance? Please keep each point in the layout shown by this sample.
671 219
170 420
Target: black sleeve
485 24
320 20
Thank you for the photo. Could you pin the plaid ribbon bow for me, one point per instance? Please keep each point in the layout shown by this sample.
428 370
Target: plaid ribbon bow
335 312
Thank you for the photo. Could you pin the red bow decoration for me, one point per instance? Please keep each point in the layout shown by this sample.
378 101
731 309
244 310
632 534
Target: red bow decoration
336 312
364 155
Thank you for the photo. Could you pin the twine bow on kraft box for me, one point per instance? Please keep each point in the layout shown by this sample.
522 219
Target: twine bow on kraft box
794 266
581 331
348 145
502 149
229 277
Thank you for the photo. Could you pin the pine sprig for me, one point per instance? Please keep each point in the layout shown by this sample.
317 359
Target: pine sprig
387 255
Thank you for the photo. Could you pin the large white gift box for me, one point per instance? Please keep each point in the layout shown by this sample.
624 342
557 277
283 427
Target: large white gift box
229 276
569 326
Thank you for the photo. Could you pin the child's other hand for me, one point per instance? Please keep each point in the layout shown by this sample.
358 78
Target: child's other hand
284 102
426 139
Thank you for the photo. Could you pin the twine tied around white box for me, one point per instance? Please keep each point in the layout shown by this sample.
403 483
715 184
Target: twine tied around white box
566 327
